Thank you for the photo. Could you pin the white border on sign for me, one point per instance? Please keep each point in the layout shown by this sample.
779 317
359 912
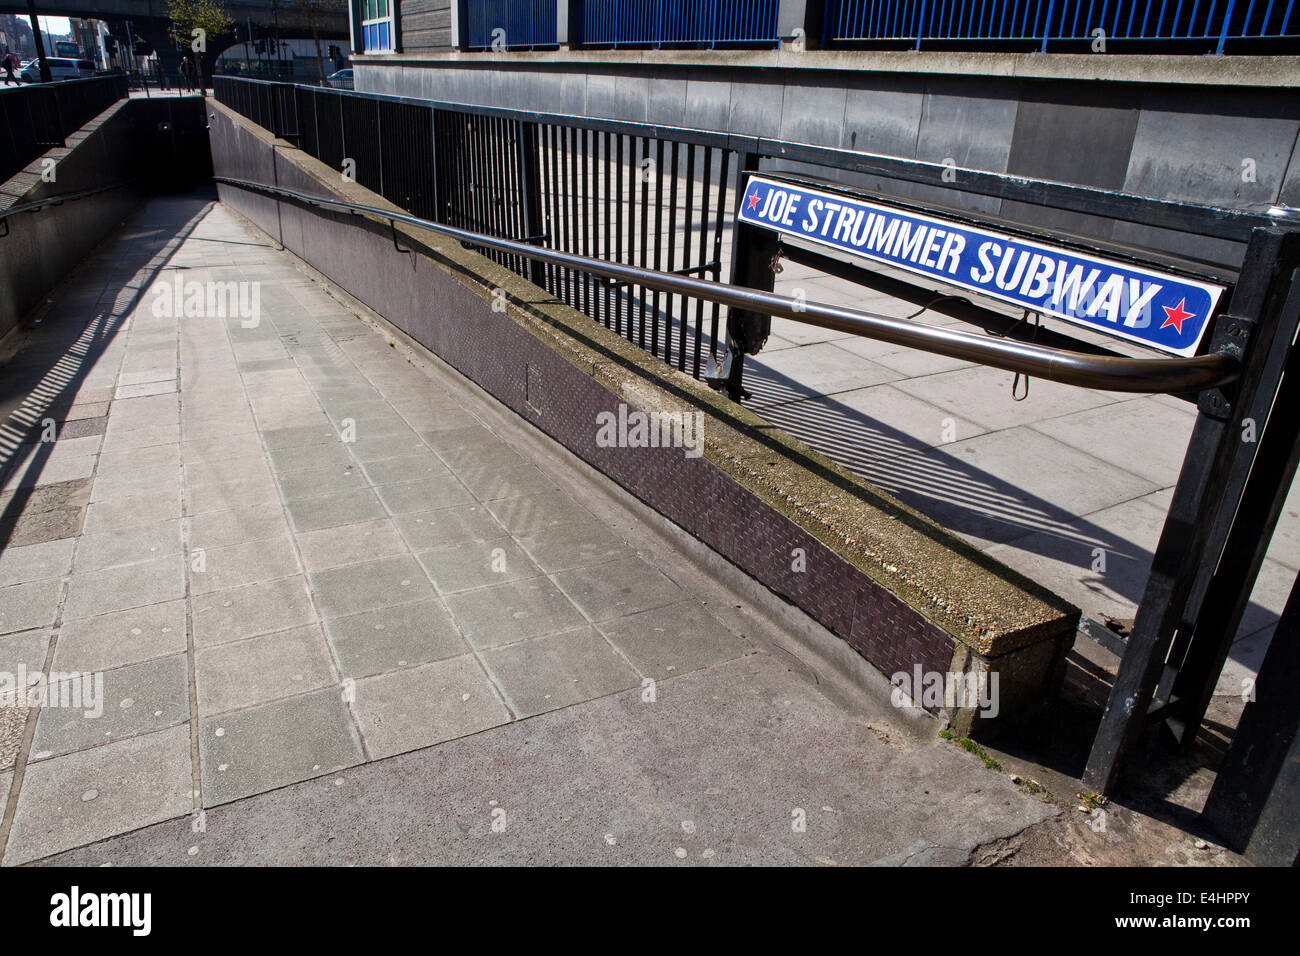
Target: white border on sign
1213 291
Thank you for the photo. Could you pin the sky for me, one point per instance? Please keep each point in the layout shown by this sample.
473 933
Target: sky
56 26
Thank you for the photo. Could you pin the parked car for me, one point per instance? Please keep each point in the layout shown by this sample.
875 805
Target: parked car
61 68
340 80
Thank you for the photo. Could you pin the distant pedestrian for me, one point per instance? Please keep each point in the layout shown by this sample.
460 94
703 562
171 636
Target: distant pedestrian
187 74
11 63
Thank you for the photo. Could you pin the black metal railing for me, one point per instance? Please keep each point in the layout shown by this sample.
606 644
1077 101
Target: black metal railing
621 193
40 116
654 198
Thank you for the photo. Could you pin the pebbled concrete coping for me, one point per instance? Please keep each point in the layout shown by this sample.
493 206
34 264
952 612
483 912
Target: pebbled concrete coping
896 586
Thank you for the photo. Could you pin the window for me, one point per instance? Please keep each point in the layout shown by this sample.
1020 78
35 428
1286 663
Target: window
377 25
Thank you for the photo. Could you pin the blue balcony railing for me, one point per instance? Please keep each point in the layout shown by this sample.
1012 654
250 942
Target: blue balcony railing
669 23
1212 23
508 24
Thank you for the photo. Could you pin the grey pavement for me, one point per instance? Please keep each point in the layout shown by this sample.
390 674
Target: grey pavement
1069 486
344 608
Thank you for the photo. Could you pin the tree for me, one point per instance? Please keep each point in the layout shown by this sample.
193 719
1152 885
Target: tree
315 11
197 21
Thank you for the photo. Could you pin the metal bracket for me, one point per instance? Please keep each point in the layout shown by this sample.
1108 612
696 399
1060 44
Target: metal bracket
1232 336
392 224
722 373
714 370
775 264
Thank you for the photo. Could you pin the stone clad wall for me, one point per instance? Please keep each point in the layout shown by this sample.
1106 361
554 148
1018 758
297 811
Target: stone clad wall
153 144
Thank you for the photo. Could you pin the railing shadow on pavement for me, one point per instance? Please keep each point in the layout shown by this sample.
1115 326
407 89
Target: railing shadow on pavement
962 497
45 378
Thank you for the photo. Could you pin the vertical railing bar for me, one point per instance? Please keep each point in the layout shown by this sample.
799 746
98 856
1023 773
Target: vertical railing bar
618 227
607 214
515 198
499 193
707 179
557 203
589 306
558 210
686 249
720 212
474 151
544 188
672 263
511 207
659 241
645 238
575 288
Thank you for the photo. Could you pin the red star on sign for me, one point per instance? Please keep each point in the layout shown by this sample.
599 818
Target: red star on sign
1177 316
753 200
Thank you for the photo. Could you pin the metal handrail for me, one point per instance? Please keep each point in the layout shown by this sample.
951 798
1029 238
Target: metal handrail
60 198
1106 373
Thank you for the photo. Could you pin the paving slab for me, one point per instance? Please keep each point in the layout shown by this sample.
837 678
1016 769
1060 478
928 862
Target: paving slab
274 744
428 529
106 641
349 544
114 589
369 585
129 545
330 511
428 494
133 700
24 606
514 611
224 568
49 559
672 640
409 709
240 674
251 610
476 564
388 638
92 794
617 588
576 544
558 670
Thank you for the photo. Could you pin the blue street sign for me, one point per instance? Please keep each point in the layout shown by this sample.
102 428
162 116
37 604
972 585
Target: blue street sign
1156 309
